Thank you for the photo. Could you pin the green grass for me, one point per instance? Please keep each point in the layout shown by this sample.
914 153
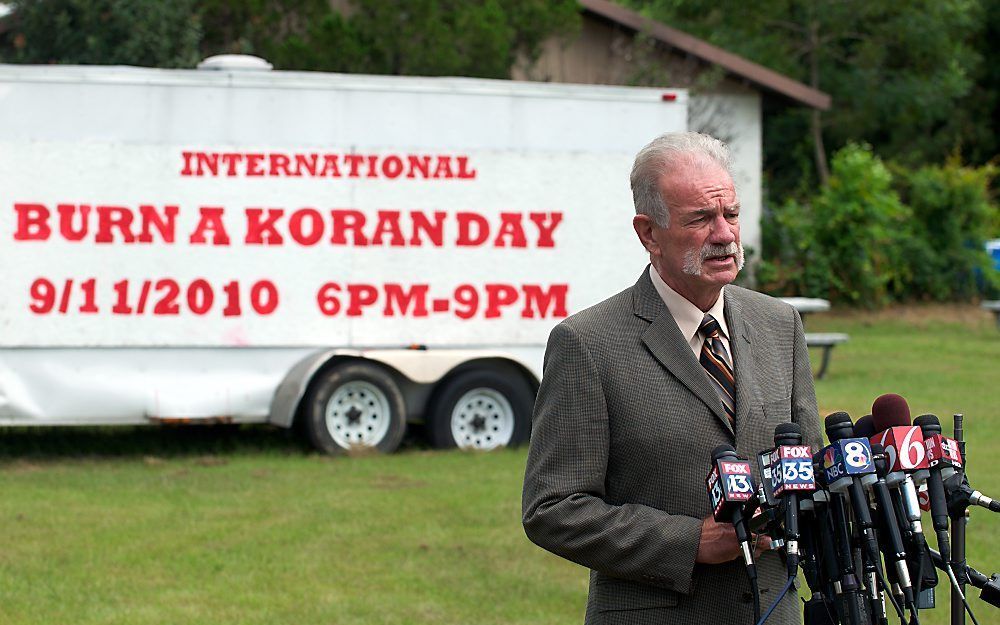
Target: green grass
247 526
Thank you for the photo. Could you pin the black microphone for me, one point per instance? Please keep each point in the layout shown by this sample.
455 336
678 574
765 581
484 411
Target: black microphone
895 550
819 609
930 425
766 511
791 474
962 494
849 467
834 541
730 487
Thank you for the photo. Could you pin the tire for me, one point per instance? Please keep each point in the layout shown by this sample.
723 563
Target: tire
355 407
481 409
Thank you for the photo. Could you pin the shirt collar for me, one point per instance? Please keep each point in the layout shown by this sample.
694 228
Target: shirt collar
688 316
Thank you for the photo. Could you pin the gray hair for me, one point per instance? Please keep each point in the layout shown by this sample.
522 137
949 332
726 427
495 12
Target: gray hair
661 155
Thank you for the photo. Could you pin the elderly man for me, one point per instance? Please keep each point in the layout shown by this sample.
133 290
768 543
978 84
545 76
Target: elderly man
640 388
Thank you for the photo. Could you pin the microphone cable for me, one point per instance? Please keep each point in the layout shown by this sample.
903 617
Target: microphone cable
777 600
955 585
945 566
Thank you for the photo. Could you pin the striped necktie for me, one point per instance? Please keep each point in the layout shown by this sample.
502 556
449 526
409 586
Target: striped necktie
716 362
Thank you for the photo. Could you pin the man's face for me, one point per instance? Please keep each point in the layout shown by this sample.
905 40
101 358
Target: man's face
700 251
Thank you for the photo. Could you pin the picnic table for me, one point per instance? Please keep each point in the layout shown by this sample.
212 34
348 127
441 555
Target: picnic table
994 307
823 340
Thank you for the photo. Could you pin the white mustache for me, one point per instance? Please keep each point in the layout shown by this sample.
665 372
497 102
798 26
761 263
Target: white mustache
710 250
693 260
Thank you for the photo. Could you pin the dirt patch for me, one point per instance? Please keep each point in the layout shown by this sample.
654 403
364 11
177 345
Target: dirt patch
210 461
22 467
919 315
396 482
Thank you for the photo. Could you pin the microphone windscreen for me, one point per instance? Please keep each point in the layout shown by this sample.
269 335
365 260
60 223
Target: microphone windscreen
865 427
928 423
724 450
838 426
787 428
787 434
890 410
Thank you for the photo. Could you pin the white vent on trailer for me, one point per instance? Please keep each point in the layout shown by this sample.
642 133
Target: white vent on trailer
235 62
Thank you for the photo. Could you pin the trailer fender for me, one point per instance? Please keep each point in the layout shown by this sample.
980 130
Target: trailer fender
421 368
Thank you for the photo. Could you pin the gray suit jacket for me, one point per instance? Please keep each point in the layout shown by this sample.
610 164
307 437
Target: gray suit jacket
624 425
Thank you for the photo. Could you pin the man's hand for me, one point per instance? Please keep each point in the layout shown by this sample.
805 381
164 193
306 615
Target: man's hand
718 543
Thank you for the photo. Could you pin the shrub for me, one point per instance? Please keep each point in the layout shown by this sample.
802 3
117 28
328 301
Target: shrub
842 245
871 237
952 214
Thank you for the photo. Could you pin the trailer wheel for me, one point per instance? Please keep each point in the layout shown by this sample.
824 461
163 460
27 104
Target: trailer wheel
354 407
481 409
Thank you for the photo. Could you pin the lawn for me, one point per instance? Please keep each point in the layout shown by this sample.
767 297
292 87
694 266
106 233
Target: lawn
247 526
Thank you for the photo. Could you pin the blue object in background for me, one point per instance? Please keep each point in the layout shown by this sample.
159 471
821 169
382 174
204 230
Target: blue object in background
993 249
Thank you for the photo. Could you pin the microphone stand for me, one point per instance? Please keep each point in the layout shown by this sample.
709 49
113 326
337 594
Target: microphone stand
959 521
990 586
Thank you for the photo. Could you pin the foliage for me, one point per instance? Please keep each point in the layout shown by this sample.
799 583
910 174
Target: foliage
840 245
952 214
902 74
423 37
870 238
426 37
110 32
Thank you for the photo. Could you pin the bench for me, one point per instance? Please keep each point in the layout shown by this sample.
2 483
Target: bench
827 341
994 307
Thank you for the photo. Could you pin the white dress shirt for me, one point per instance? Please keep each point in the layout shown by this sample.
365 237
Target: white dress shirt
689 317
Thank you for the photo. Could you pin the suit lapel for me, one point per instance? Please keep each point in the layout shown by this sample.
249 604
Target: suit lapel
664 340
741 342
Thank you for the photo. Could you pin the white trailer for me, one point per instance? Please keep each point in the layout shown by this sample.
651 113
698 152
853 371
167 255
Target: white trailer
348 252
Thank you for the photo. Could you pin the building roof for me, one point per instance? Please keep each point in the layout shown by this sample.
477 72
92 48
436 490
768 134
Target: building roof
733 64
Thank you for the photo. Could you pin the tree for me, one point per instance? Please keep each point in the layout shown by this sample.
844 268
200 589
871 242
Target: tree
428 37
111 32
900 73
424 37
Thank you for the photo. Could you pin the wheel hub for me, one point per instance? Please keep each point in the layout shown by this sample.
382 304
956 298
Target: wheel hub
482 419
353 415
478 423
358 414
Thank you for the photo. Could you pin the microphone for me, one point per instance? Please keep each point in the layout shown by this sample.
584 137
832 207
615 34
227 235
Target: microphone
848 466
903 441
835 545
829 573
930 425
847 462
766 509
891 419
895 550
960 495
865 427
942 451
791 474
730 487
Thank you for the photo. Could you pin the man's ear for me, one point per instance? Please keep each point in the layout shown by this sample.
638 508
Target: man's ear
644 225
